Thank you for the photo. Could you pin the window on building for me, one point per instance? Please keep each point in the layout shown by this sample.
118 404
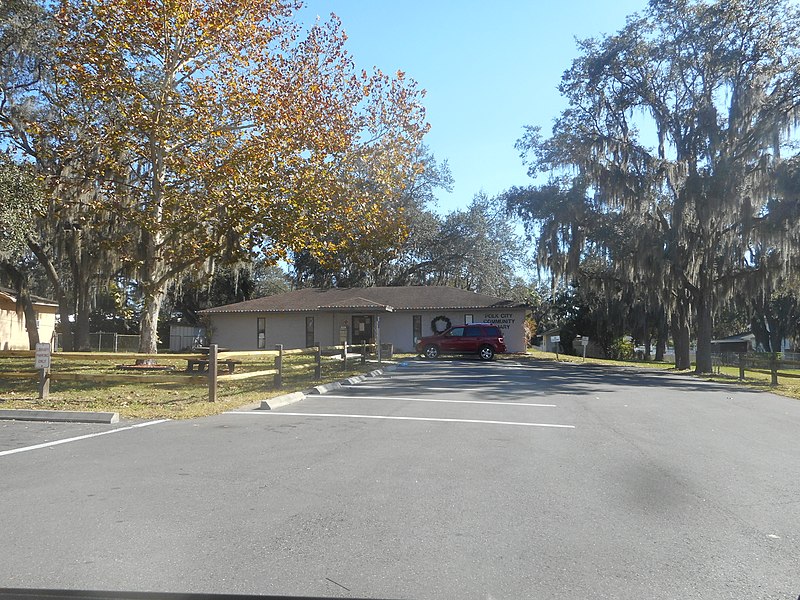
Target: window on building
261 327
468 319
417 327
310 332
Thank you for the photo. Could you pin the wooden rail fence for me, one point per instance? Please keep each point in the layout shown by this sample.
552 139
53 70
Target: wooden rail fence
769 363
347 354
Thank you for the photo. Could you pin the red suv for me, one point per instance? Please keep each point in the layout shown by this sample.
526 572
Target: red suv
483 339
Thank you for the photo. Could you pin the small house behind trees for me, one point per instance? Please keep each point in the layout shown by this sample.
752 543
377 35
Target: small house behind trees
13 327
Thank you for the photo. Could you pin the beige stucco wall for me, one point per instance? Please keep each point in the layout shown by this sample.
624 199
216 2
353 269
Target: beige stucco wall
239 331
511 322
14 336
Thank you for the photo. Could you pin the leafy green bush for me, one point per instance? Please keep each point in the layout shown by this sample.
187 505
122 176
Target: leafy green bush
621 349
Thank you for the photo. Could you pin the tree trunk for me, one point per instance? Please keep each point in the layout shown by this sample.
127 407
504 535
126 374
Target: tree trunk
759 329
82 275
705 325
661 341
775 336
680 337
82 315
148 326
61 296
30 317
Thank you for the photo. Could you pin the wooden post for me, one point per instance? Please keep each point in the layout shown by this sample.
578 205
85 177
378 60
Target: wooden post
279 366
318 365
212 373
773 368
44 383
741 365
344 356
378 337
363 353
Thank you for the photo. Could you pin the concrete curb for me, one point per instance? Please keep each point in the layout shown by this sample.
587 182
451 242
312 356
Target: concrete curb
283 400
293 397
59 416
325 388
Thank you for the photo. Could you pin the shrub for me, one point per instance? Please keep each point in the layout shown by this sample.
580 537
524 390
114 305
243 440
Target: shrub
621 349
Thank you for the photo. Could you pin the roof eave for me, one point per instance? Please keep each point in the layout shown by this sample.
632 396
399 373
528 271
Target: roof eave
337 309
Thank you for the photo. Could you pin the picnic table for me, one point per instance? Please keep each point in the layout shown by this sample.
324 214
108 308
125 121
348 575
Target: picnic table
200 365
206 349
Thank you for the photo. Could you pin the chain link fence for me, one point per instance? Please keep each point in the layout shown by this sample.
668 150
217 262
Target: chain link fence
107 342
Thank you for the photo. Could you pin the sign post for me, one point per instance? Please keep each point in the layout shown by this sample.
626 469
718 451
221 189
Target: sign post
584 343
378 337
556 339
43 364
212 372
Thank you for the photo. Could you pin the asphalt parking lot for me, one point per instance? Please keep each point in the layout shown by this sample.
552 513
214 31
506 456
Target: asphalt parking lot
449 478
26 436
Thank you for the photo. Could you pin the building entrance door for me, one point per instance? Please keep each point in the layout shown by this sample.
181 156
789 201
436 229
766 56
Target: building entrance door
362 329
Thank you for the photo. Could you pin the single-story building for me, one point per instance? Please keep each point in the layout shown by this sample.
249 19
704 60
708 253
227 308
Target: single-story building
746 342
306 317
548 345
742 342
13 331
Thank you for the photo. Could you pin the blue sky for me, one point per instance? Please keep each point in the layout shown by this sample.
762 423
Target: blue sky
489 68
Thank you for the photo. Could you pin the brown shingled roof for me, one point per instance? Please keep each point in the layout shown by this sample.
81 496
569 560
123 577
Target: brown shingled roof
12 295
379 298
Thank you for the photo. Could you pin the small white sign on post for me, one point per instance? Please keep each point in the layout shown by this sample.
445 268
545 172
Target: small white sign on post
585 341
42 356
555 339
42 362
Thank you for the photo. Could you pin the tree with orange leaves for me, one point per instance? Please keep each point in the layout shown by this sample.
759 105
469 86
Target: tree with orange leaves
224 129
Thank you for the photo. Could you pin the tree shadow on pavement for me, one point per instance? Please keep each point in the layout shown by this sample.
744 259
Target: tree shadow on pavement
545 378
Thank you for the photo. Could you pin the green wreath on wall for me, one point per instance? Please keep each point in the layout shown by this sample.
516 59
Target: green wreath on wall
435 322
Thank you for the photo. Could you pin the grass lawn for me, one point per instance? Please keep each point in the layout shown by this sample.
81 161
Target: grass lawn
538 354
185 398
787 386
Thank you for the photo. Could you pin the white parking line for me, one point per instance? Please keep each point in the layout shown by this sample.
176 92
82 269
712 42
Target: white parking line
396 418
439 400
418 387
395 383
80 437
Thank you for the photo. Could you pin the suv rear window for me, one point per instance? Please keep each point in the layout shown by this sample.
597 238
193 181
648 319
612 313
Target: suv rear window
472 332
493 332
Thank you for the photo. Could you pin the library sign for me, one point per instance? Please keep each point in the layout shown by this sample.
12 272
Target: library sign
502 320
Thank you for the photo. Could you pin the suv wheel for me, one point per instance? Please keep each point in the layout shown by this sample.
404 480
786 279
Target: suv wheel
431 352
486 353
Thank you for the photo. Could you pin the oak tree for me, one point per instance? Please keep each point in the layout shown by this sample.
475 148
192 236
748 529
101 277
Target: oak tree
683 119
